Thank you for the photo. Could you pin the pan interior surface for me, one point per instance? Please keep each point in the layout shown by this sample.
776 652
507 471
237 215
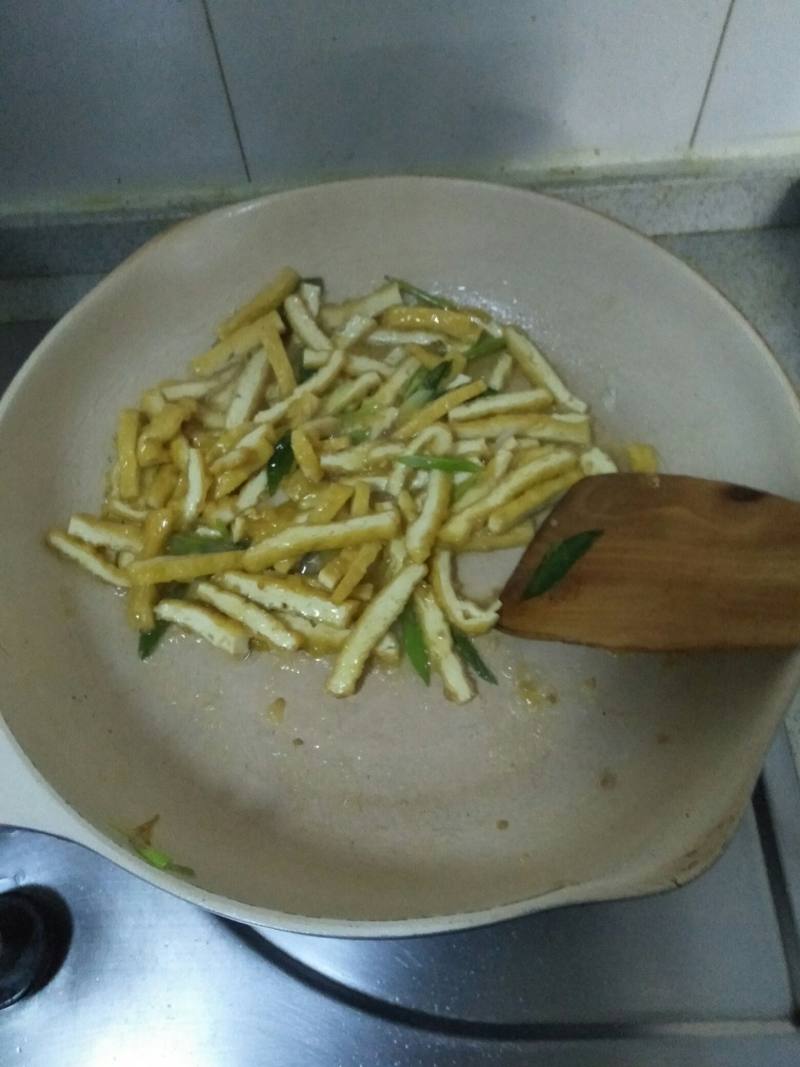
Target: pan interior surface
580 776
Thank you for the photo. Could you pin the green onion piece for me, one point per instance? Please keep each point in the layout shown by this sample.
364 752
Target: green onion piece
461 487
420 295
439 463
425 382
414 642
358 437
557 560
280 463
486 345
193 544
149 639
156 858
470 655
304 373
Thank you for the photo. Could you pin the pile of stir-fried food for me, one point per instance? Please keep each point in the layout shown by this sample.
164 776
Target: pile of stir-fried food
312 482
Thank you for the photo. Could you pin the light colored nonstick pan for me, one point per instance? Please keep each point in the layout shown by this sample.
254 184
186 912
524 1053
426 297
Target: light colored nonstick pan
581 776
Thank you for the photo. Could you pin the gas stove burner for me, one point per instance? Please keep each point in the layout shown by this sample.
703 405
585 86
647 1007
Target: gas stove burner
35 933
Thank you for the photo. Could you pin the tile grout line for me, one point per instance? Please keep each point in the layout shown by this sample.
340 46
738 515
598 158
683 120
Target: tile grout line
776 878
711 73
226 89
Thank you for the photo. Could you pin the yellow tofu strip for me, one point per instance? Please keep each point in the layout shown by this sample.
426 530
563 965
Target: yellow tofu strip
362 458
460 526
439 643
538 371
87 557
360 502
378 616
423 356
104 533
503 404
453 323
350 392
290 593
643 459
127 464
267 299
303 324
501 372
278 360
161 569
213 627
596 461
241 342
163 426
162 487
297 540
316 384
564 429
334 316
462 612
438 408
421 534
305 455
482 541
397 381
363 559
241 609
249 389
329 502
538 496
141 598
197 485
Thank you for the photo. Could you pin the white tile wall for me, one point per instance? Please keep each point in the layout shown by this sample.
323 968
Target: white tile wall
391 85
102 95
754 97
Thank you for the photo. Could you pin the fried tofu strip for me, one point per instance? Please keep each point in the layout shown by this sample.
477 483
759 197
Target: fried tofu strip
291 593
462 612
378 616
250 615
161 569
439 643
538 371
87 557
267 299
296 540
213 627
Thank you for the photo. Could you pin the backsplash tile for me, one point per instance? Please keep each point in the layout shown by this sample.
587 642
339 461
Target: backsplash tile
99 96
322 89
754 97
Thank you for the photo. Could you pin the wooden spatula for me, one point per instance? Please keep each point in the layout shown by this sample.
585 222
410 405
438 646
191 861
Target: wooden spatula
675 563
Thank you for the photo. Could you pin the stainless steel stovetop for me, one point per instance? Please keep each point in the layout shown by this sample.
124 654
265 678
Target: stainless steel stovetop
708 975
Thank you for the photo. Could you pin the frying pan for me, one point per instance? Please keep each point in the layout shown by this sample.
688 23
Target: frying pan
581 776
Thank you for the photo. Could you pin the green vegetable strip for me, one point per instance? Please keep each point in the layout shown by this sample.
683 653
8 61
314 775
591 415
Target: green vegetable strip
149 639
192 544
358 437
414 643
439 463
424 383
558 560
470 655
156 858
280 463
486 345
420 295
